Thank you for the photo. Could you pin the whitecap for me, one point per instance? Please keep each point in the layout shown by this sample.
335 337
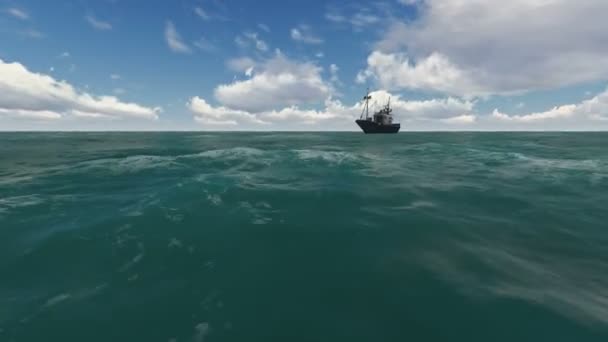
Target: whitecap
201 331
14 202
333 157
231 153
130 164
56 300
175 243
132 262
214 199
416 205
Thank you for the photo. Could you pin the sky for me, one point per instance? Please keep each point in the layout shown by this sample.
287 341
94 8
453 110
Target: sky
275 65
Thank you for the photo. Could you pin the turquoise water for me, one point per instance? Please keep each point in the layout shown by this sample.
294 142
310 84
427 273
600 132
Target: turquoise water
303 237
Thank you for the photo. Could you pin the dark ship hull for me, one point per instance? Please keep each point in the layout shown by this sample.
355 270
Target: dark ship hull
370 127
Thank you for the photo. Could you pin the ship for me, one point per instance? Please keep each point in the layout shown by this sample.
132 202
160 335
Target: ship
380 122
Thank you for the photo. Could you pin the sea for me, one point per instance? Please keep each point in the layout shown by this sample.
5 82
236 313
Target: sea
197 236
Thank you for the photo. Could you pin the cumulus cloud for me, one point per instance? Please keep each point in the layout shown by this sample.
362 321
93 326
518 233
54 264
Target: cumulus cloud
278 81
491 47
221 116
303 34
291 117
461 119
436 72
25 94
594 109
174 39
333 115
447 113
444 108
98 24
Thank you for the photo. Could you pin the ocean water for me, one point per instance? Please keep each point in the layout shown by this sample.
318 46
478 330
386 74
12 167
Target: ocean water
303 237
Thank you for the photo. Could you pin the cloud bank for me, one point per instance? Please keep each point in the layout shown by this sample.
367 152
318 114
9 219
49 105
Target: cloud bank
29 95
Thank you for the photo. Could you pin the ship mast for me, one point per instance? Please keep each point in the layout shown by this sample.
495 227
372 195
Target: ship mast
367 97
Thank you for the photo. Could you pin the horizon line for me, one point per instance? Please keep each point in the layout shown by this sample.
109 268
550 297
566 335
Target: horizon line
297 131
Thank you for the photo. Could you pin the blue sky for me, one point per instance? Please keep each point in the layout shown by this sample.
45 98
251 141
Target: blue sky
302 65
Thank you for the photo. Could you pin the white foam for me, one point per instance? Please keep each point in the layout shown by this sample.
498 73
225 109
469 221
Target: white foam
56 300
132 262
130 164
417 205
333 157
14 202
214 199
175 243
574 288
201 331
231 153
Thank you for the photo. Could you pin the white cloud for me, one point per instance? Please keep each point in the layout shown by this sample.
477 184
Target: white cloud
241 64
30 114
335 17
115 76
358 20
303 34
264 27
493 47
333 70
64 54
174 40
32 33
396 71
278 81
589 114
98 24
205 45
248 38
27 94
18 13
434 114
461 119
444 108
219 116
409 2
362 19
291 117
334 114
201 13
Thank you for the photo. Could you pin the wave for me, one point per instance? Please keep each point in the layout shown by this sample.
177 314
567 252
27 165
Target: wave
575 288
331 157
230 153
